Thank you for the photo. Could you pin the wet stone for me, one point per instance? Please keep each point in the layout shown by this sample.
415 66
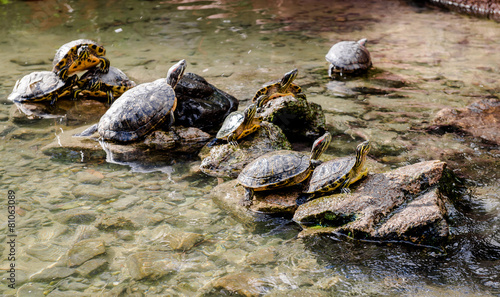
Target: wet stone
86 177
125 202
226 160
93 192
52 273
242 283
110 223
176 240
151 265
402 204
263 256
46 251
91 267
31 290
85 250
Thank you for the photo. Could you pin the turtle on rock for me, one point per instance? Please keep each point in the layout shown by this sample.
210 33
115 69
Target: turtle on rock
141 109
240 124
348 57
41 86
79 55
283 87
282 168
338 173
110 85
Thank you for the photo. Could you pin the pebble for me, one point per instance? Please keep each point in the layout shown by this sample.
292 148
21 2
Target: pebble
151 265
85 250
52 273
91 266
93 192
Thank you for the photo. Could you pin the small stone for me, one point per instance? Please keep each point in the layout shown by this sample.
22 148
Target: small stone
85 250
243 283
76 216
152 265
52 273
176 240
87 177
109 223
263 256
125 202
31 290
90 267
92 192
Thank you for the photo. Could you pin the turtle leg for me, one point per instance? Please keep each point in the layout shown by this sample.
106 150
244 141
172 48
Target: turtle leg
247 200
63 74
110 96
104 65
303 198
359 176
344 187
231 139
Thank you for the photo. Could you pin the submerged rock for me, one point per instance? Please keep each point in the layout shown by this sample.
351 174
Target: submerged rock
298 118
152 265
242 284
480 119
200 104
227 160
85 250
402 204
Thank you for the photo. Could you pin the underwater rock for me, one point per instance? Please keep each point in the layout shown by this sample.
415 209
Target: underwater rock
241 283
115 222
52 273
297 118
176 240
480 119
226 160
76 216
152 265
402 204
85 250
156 147
91 266
200 104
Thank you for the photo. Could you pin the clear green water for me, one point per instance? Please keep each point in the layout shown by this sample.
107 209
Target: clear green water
425 60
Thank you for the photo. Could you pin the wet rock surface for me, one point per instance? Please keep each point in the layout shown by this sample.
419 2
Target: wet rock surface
201 104
481 8
151 265
226 160
481 119
402 204
298 118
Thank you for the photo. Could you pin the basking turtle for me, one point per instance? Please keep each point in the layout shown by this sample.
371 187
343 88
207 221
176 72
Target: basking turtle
109 85
340 172
283 87
281 168
141 109
79 55
239 124
348 57
41 86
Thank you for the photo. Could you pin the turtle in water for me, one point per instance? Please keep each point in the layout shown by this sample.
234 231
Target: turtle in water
281 168
79 55
240 124
41 86
283 87
141 109
109 85
338 173
348 57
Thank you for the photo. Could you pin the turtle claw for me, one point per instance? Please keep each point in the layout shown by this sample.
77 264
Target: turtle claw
345 191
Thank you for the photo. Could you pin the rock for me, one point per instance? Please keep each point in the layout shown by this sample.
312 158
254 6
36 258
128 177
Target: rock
110 223
91 267
31 290
152 265
297 118
46 251
151 150
481 8
87 177
402 204
92 192
76 216
52 273
263 256
85 250
200 104
242 283
227 160
480 119
176 240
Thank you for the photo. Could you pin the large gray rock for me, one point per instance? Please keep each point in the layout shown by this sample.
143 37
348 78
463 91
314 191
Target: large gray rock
226 160
298 118
402 204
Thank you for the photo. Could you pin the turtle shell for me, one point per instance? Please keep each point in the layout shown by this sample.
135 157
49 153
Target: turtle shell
68 54
138 111
329 175
231 123
275 170
348 57
114 79
38 86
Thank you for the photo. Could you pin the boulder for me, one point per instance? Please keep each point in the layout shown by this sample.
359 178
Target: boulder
200 104
480 119
297 118
402 204
226 160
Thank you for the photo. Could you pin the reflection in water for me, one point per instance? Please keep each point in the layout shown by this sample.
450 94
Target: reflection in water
423 61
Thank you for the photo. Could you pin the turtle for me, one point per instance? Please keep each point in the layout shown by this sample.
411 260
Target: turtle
109 85
348 57
140 110
79 55
338 173
280 88
281 168
240 124
41 86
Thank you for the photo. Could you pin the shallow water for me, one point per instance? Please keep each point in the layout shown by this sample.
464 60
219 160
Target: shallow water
424 60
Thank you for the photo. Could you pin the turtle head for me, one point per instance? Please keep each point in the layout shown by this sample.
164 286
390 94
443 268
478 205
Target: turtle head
250 111
288 79
320 145
362 42
362 150
83 52
175 73
262 100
